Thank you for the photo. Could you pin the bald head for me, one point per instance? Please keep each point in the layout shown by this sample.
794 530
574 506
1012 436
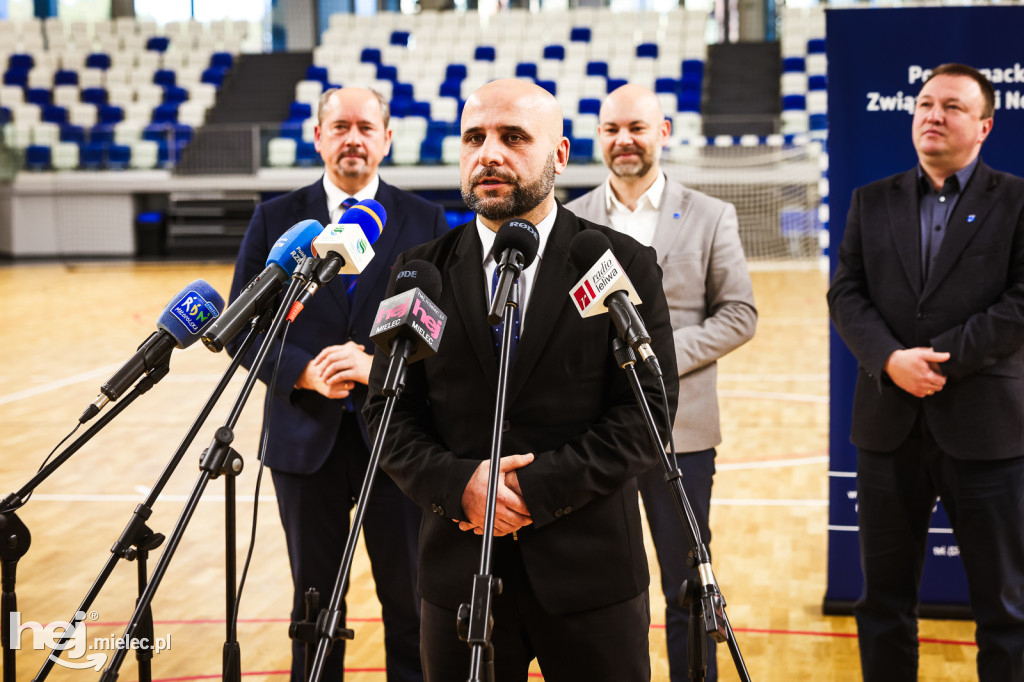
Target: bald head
632 131
512 149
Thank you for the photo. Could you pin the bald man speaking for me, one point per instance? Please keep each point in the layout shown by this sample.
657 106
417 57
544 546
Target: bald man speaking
712 303
568 546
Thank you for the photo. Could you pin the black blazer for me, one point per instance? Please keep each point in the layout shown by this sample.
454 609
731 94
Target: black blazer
568 402
972 306
304 424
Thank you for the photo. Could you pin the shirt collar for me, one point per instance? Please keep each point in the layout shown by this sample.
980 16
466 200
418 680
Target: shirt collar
336 195
544 228
651 199
962 176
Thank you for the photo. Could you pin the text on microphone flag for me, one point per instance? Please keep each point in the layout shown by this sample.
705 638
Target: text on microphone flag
194 311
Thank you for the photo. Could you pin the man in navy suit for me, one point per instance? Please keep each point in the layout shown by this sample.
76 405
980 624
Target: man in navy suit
929 296
318 449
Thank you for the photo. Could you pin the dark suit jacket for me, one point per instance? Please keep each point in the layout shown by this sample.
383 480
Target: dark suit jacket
304 424
568 402
972 306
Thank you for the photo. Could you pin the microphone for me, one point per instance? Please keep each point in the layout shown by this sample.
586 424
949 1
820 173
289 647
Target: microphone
261 292
408 325
605 287
350 239
517 241
185 316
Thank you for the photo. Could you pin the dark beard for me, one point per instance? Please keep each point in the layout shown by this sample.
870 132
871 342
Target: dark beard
519 202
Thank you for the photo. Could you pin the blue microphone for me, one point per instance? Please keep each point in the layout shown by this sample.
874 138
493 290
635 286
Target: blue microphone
261 292
181 322
350 240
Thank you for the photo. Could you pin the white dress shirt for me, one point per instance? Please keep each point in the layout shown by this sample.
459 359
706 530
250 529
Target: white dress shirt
641 223
336 195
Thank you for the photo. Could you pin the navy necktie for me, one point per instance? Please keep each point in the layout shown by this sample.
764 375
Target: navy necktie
349 280
498 329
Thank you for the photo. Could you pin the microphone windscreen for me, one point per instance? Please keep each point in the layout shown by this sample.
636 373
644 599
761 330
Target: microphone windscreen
417 273
586 248
190 312
294 245
368 215
520 235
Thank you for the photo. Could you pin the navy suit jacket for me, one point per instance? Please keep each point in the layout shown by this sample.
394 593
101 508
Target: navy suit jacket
568 402
971 305
303 424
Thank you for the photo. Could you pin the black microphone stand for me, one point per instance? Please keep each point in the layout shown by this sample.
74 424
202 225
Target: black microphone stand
218 459
475 619
327 628
707 605
137 540
15 534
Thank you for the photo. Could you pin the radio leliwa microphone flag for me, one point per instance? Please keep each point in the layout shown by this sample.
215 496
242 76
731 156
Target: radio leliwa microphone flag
604 277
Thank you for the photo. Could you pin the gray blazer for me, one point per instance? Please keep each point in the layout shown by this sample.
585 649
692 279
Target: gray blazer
710 297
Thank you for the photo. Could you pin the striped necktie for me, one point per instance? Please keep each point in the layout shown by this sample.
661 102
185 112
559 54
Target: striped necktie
349 280
498 329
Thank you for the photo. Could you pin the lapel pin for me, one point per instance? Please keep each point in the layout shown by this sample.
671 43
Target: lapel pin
970 218
676 216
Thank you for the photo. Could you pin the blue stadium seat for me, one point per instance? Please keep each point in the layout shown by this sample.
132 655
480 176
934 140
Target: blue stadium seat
165 113
421 109
550 86
98 60
305 154
175 95
37 157
72 133
440 129
794 65
485 53
109 115
5 116
214 76
39 96
816 46
102 133
21 61
451 88
455 72
794 102
647 51
386 72
692 68
818 121
615 83
118 156
688 100
579 34
590 105
17 76
370 55
292 129
164 77
299 111
581 150
65 77
91 155
526 70
400 106
317 73
57 115
666 85
817 82
158 43
222 60
97 96
567 127
400 38
430 150
556 52
597 68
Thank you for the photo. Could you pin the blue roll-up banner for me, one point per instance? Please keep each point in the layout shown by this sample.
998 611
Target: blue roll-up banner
877 59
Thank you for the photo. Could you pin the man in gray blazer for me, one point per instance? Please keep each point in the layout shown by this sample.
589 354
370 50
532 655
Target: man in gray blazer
711 303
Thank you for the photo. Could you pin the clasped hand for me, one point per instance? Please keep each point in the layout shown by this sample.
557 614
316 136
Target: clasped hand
335 370
917 370
511 513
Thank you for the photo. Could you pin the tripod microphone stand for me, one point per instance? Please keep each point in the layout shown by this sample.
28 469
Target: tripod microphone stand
16 536
218 459
707 605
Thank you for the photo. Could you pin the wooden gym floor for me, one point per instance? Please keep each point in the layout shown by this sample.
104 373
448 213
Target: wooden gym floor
70 326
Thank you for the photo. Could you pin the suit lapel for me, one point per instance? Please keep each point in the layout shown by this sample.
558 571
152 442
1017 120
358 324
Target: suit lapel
466 281
549 299
966 219
902 205
672 215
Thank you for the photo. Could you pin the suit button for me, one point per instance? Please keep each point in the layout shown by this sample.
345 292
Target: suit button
921 316
558 513
440 510
433 508
567 510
